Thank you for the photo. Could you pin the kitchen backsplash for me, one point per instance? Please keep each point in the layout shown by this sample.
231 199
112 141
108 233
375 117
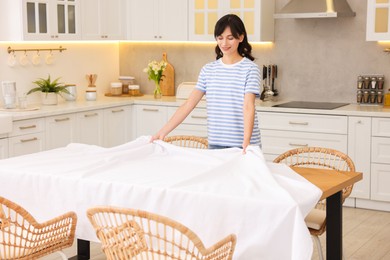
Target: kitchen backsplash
71 65
318 59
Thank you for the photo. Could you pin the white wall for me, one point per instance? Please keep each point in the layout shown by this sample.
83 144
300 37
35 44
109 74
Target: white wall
72 65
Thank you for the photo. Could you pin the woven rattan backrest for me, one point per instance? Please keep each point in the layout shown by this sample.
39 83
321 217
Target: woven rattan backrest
187 141
317 157
22 237
126 233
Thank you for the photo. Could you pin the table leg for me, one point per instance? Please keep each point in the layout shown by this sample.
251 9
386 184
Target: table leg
334 227
83 250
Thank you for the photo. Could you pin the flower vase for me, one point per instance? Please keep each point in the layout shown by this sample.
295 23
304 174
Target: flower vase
157 90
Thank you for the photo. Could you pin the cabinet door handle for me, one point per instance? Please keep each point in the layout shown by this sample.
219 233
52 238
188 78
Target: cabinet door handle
117 111
62 119
301 145
90 115
28 140
150 109
27 127
199 117
298 123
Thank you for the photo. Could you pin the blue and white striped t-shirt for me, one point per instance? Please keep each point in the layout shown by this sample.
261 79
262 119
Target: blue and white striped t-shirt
225 87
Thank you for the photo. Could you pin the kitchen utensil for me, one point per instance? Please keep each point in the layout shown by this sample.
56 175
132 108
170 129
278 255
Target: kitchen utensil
274 76
359 96
126 82
90 95
8 89
36 59
23 60
11 59
379 97
91 78
372 96
49 58
167 83
116 88
262 95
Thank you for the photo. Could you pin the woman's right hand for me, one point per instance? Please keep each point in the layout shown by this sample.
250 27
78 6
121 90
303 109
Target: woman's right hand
157 136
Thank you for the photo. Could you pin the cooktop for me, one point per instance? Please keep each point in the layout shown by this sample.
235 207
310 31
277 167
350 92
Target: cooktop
311 105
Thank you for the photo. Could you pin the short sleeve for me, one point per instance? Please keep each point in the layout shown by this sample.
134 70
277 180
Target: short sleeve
253 80
201 84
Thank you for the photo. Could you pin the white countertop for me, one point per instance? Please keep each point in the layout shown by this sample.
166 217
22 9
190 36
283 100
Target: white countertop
102 102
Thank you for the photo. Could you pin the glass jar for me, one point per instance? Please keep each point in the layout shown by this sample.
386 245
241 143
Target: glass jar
116 88
126 81
134 90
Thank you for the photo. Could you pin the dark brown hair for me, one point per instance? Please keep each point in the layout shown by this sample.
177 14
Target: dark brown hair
237 28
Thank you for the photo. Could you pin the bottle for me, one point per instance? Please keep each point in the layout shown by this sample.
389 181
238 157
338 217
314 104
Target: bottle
386 102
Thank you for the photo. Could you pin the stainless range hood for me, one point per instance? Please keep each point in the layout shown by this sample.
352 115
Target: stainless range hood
315 9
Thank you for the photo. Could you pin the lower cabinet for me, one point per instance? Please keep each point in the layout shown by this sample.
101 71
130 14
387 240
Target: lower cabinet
281 132
359 149
118 127
149 119
3 148
195 123
89 127
27 136
60 130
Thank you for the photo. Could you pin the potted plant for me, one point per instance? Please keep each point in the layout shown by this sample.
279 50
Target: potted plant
49 90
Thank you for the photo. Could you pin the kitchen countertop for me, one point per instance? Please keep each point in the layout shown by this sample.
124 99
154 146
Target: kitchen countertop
102 102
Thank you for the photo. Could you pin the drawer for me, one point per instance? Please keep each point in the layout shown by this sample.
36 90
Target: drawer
303 122
380 150
26 144
278 142
198 116
381 127
380 182
28 126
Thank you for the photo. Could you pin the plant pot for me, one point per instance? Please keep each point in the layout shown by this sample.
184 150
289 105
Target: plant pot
49 98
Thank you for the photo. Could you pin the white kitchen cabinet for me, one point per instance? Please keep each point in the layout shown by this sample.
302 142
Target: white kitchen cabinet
359 150
281 132
118 125
60 130
380 182
103 19
257 16
3 148
195 123
40 20
149 119
163 20
378 20
51 19
89 127
27 136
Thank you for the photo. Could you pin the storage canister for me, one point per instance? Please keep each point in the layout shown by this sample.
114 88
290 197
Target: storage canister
126 81
134 90
116 88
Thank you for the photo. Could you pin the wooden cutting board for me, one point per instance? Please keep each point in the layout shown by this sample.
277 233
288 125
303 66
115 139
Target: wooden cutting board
167 83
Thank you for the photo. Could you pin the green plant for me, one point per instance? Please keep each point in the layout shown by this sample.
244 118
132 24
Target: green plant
48 86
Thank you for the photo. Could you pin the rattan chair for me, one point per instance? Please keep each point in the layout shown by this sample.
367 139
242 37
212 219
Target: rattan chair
316 157
188 141
21 237
137 234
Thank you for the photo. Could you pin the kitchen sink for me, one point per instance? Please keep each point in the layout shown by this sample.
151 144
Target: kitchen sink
311 105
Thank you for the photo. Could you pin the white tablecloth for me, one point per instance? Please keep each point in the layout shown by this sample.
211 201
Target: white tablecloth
213 192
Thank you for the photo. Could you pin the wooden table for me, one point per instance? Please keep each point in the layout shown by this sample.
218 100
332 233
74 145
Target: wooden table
331 183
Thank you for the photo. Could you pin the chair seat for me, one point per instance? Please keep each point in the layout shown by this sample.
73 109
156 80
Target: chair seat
315 219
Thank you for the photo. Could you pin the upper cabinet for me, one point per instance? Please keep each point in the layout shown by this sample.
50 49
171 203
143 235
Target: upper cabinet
257 16
103 19
378 20
40 20
158 20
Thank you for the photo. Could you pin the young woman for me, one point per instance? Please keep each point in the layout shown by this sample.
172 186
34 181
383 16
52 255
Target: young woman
231 84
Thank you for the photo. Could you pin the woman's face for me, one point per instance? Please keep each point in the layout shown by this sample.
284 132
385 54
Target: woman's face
227 43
